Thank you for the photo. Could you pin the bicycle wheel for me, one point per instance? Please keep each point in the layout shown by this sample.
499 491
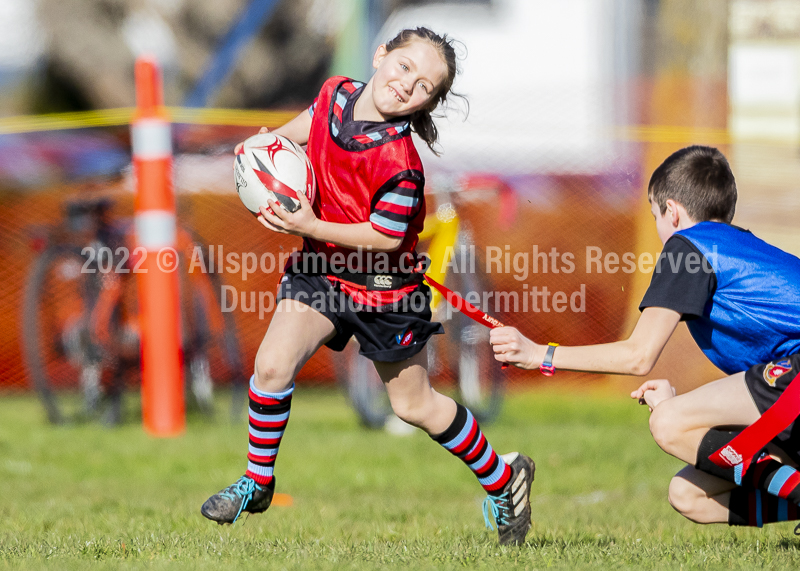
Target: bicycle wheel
364 387
64 367
480 378
196 330
210 332
231 353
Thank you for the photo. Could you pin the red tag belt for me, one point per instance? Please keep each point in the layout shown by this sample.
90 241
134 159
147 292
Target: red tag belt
756 436
465 307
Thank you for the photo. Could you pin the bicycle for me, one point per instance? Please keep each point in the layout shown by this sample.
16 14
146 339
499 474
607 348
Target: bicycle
465 348
80 323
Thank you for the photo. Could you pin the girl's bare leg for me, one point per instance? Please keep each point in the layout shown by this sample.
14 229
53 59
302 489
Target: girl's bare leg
412 397
295 333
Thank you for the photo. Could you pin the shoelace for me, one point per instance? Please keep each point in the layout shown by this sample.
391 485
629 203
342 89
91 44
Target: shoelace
243 488
500 508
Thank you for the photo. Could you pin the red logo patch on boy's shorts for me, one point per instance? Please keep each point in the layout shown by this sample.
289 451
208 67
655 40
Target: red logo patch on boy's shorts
404 337
774 370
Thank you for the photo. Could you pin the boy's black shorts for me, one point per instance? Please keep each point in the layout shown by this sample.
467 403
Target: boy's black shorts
389 336
766 382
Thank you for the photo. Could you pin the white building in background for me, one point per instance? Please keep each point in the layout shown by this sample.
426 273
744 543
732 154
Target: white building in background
764 70
542 78
21 37
22 44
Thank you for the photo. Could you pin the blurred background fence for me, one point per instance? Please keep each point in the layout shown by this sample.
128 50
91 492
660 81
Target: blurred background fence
572 105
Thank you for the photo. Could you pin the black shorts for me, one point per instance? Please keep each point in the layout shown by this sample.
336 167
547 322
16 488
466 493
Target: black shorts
766 382
387 336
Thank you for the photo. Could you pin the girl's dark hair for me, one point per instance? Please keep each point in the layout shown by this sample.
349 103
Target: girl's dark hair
700 179
422 120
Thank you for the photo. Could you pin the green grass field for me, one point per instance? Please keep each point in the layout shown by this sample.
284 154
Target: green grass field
71 498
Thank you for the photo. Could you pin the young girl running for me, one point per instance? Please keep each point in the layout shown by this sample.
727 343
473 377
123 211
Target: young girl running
369 199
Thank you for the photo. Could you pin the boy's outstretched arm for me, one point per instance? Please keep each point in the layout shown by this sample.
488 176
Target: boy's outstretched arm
634 356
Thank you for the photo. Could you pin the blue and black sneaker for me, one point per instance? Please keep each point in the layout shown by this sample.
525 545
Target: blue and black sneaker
511 509
243 496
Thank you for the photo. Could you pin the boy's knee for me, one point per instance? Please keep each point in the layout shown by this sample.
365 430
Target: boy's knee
664 426
687 500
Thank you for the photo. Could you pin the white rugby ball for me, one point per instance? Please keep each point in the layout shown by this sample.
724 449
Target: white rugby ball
272 167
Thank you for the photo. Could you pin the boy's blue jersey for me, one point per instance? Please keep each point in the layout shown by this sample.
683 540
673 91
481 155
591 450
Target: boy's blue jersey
754 314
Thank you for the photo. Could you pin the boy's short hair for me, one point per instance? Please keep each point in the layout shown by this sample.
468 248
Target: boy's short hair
700 179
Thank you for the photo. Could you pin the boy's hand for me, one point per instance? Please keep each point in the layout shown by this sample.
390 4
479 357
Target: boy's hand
511 346
238 147
654 392
302 222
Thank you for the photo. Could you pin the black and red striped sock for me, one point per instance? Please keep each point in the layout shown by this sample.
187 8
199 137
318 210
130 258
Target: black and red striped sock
269 413
754 508
775 478
465 439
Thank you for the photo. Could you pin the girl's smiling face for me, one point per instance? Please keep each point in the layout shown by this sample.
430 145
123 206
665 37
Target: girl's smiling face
406 79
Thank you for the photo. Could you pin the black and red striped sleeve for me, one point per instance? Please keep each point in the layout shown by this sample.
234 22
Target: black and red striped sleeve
397 202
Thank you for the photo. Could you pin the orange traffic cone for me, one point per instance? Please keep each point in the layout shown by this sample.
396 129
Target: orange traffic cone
163 407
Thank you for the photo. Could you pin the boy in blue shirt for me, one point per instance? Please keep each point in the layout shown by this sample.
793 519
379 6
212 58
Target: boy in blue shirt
740 298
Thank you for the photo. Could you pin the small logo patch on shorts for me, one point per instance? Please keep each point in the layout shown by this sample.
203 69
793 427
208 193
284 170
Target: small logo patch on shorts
731 456
774 370
404 337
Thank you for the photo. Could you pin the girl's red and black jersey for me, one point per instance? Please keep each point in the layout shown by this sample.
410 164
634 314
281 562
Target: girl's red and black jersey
366 172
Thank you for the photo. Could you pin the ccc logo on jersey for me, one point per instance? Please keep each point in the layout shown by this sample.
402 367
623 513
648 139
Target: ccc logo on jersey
382 281
774 370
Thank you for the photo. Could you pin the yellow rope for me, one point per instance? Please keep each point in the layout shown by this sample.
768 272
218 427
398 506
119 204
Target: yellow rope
671 134
253 118
237 117
122 116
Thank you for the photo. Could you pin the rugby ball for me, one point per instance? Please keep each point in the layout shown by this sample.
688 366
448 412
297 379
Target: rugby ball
272 167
